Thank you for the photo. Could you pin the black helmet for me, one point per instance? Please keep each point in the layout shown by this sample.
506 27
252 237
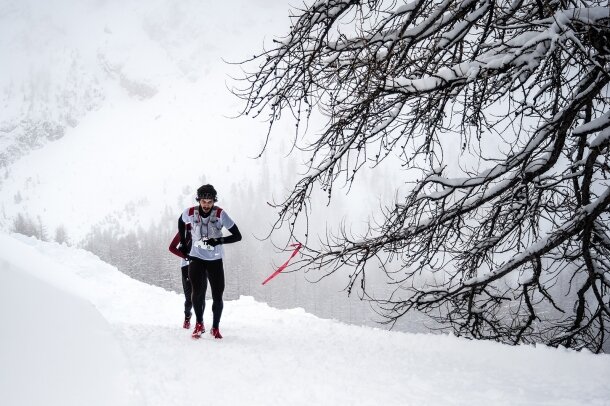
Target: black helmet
206 192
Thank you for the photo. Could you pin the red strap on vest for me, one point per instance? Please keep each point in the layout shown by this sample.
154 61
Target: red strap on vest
192 211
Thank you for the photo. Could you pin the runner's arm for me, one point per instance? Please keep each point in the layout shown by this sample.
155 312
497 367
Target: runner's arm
173 246
234 237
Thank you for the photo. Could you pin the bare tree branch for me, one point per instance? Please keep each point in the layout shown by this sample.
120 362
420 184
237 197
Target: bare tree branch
515 250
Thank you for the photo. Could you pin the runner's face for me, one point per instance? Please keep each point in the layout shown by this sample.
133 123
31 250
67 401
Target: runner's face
206 204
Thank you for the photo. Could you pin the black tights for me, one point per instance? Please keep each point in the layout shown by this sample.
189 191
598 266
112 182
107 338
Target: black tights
200 272
186 286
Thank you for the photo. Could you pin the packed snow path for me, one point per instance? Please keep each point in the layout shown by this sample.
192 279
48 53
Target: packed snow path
76 331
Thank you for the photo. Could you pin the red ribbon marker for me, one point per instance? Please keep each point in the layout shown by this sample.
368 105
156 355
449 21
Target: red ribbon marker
285 264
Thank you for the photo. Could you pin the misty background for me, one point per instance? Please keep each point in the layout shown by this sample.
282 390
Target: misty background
114 113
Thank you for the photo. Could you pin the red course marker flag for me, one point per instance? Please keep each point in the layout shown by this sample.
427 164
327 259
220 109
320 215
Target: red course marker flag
285 264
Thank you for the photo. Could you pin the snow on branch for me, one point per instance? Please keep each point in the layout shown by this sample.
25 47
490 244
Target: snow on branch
491 249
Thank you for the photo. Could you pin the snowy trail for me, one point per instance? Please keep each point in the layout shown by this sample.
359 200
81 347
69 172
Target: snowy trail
268 356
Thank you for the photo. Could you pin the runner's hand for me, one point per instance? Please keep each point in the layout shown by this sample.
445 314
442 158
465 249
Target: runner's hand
212 242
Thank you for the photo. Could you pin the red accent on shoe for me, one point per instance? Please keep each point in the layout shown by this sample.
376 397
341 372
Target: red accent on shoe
199 330
216 333
187 323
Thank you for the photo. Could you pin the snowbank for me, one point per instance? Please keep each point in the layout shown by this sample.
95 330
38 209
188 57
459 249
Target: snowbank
76 331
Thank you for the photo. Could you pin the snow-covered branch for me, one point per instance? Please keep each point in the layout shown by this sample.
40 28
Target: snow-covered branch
490 250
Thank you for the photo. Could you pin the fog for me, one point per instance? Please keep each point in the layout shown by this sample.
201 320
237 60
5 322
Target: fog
115 112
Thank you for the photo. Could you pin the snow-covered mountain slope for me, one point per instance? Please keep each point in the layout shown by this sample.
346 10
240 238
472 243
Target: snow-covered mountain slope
134 97
77 331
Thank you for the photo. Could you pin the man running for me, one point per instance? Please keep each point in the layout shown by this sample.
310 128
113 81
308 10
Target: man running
206 254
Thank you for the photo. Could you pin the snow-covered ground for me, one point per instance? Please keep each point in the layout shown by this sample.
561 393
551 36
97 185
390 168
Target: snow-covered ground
75 331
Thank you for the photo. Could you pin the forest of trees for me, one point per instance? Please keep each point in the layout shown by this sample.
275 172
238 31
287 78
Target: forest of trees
142 253
498 114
